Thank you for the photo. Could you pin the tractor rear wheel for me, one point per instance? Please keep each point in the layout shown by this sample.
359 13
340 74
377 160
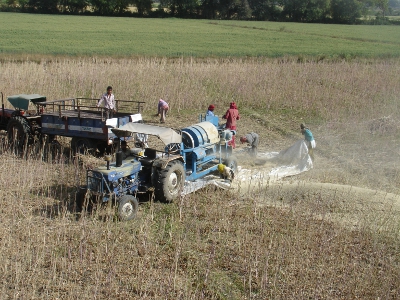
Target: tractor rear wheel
170 182
19 133
127 208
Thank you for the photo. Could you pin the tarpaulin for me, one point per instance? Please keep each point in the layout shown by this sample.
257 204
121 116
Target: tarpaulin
289 162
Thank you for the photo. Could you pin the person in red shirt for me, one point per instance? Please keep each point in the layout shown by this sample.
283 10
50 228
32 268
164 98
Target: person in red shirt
231 115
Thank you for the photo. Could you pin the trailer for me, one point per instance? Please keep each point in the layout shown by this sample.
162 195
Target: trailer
77 118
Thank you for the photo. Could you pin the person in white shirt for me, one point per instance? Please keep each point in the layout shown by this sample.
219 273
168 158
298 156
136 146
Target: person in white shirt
109 103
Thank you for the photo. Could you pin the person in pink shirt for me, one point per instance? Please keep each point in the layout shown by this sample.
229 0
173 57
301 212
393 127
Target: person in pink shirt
162 110
231 116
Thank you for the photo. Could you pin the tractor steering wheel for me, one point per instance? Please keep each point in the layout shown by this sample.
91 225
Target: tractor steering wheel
173 147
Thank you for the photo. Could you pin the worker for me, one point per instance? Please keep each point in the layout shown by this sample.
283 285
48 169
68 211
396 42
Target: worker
210 111
163 108
226 172
231 115
309 138
109 103
252 140
125 150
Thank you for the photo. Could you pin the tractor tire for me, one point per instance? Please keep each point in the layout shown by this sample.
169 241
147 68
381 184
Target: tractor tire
231 162
127 208
170 182
19 134
82 146
80 197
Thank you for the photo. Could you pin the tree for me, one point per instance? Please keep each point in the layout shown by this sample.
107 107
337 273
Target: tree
74 6
383 5
44 6
345 11
243 10
305 10
143 6
181 8
110 7
209 9
227 9
264 10
394 3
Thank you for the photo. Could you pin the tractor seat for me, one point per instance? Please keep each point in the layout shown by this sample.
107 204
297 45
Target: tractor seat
149 156
150 153
146 161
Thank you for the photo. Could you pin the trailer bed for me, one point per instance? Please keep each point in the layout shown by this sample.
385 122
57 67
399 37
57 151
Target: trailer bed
79 117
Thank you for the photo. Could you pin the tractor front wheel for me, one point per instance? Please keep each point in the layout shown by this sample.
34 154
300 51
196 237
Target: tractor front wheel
170 181
127 208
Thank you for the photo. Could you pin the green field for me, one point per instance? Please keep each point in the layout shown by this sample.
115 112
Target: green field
126 37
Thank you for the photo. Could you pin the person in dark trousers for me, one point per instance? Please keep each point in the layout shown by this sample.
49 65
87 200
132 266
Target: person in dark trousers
109 103
231 116
252 140
309 138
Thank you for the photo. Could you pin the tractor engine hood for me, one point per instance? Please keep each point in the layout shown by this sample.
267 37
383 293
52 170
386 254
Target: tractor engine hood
114 172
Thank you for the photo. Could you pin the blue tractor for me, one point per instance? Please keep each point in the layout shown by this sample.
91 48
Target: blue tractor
189 154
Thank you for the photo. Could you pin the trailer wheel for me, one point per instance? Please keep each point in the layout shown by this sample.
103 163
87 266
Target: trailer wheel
170 181
232 163
82 146
51 149
127 208
19 133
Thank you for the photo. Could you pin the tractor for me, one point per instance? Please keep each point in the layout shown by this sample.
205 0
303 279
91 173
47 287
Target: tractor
22 125
189 154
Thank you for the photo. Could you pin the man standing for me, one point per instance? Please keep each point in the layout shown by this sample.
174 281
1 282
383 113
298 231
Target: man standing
163 108
231 115
109 103
253 140
308 136
210 111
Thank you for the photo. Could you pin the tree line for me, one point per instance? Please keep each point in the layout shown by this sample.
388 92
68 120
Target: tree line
321 11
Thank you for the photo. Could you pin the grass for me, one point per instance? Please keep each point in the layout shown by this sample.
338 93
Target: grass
209 245
303 238
27 34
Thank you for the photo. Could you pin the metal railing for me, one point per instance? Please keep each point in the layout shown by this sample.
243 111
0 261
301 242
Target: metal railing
82 106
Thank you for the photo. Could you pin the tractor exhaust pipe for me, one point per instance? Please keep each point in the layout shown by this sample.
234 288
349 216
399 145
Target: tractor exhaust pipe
107 158
118 159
